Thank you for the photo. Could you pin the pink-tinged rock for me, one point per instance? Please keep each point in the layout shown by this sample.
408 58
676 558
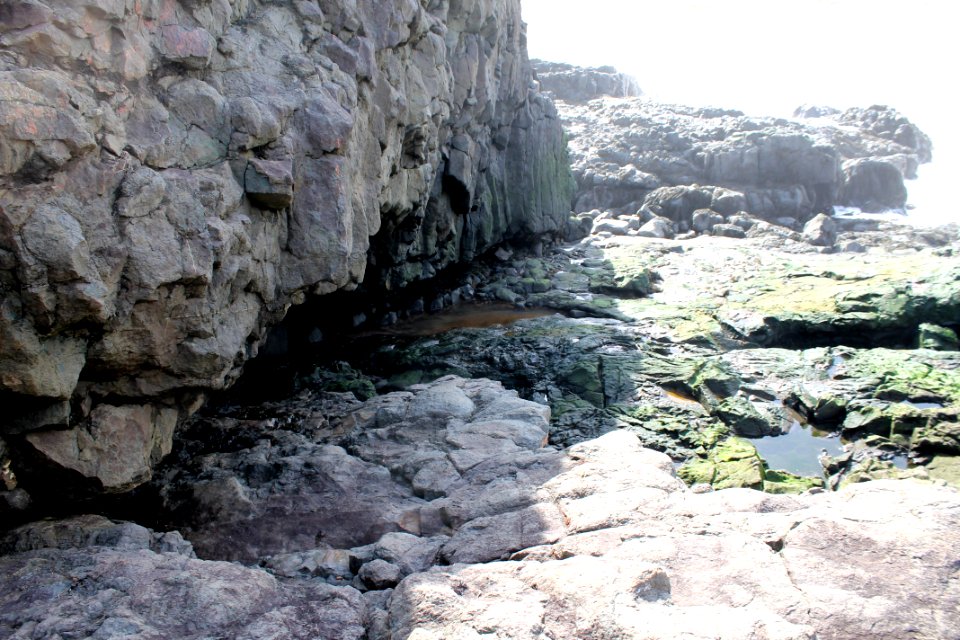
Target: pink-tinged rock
269 183
325 125
190 47
117 446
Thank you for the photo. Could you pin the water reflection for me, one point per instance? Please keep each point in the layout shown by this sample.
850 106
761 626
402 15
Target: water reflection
796 450
475 316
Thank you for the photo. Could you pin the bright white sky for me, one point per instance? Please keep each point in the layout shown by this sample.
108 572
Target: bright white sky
768 56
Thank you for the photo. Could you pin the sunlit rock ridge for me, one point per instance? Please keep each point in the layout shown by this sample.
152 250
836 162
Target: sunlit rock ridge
175 175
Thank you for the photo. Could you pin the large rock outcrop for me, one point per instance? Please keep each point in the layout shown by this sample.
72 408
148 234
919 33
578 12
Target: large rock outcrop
574 84
175 175
624 148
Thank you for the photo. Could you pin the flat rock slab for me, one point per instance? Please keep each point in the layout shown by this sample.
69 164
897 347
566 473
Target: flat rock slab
386 472
598 541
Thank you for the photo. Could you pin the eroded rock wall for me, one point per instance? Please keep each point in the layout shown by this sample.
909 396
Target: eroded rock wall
175 175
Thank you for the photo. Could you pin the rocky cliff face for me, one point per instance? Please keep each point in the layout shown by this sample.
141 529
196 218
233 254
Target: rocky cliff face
175 175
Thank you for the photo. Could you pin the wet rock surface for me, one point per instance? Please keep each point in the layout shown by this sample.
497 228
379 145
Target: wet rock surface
448 505
436 509
689 342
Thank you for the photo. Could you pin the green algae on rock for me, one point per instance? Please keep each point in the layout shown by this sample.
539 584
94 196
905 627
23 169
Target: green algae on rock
932 336
734 462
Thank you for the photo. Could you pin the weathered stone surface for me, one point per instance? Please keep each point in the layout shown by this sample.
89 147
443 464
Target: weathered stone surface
657 227
269 183
91 531
95 578
119 446
704 220
820 231
190 47
886 123
399 455
931 336
728 231
142 255
572 84
872 185
625 147
603 526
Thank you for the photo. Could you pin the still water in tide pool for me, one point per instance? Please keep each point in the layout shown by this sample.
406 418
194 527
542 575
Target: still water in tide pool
796 451
466 316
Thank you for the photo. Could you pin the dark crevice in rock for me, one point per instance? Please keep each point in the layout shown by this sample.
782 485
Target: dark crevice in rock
55 492
800 335
457 194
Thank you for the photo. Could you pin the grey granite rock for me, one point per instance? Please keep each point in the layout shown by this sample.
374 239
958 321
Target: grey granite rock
175 176
118 586
573 535
872 185
625 147
820 231
387 468
573 84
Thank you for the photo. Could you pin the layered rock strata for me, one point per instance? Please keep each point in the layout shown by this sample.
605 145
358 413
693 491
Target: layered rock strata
175 175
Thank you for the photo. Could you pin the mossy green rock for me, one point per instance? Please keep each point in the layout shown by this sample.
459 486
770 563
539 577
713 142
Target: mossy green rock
678 432
628 283
829 410
867 419
583 379
743 418
782 482
946 468
738 465
343 378
715 379
937 438
932 336
874 469
734 462
908 375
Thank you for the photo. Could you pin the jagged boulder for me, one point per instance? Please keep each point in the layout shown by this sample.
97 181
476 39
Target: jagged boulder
872 185
212 165
820 231
887 123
